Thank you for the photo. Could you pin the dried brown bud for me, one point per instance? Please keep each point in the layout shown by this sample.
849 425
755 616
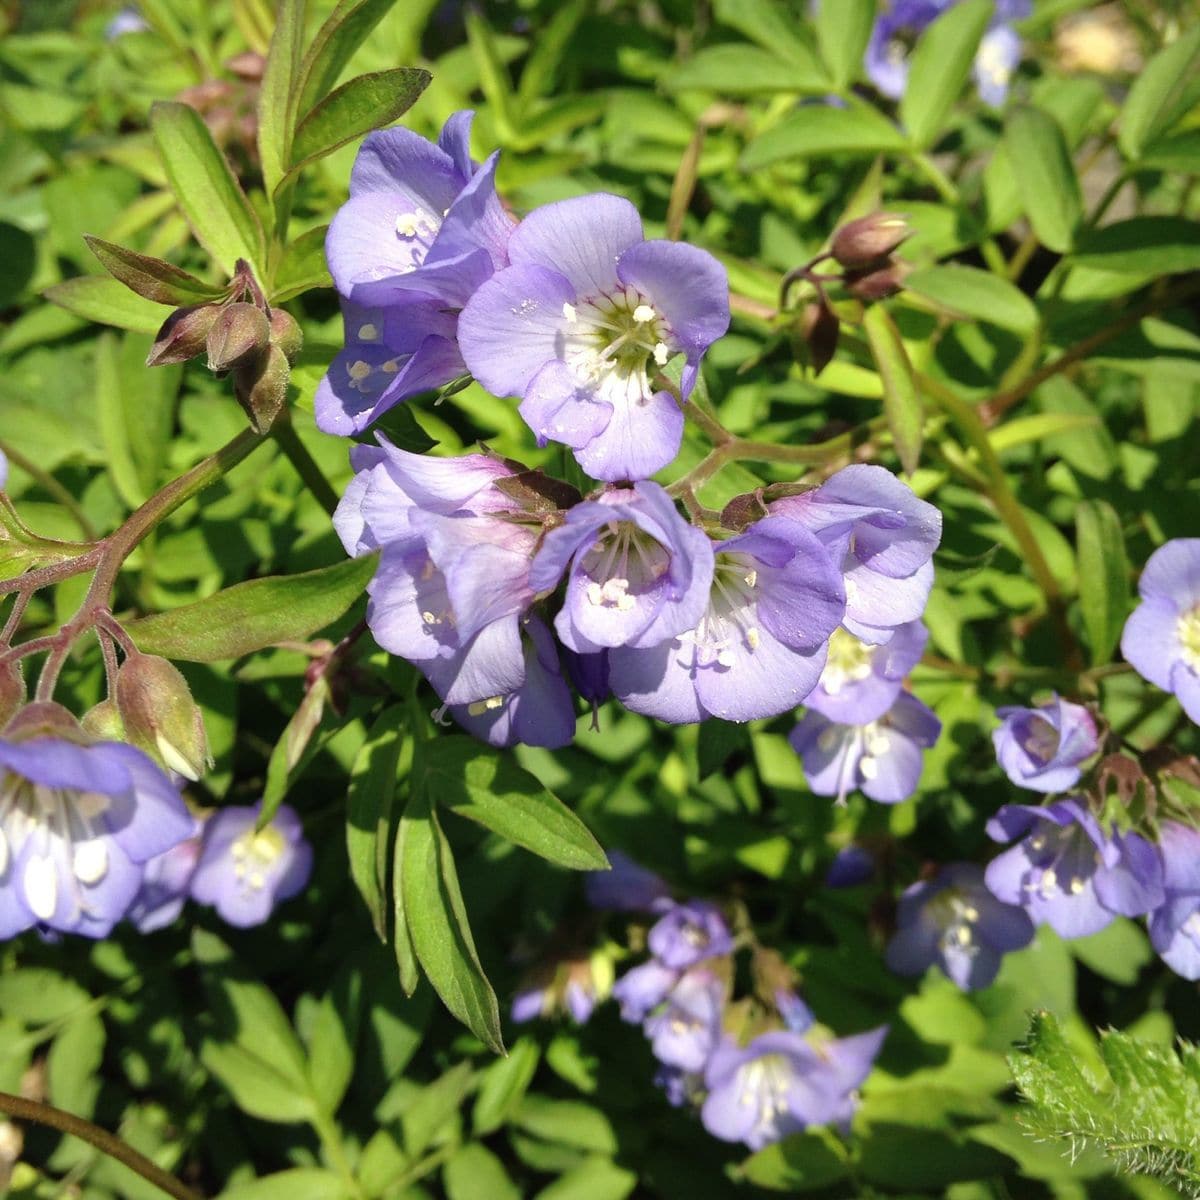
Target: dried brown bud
249 65
238 337
819 329
743 510
160 715
285 333
261 389
869 285
183 335
864 242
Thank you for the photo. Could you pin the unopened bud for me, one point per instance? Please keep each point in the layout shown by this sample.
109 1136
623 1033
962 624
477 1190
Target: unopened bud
103 721
743 510
238 337
183 334
262 389
285 333
160 715
12 690
819 329
864 242
878 284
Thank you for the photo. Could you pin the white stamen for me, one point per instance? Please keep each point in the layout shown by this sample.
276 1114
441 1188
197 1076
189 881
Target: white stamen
569 313
752 638
3 854
407 224
41 888
879 744
90 862
643 313
661 353
359 370
868 767
367 333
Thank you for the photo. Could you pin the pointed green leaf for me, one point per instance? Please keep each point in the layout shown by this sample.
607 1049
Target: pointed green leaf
1104 601
102 299
277 101
1045 175
901 400
334 44
303 267
823 132
1163 92
152 278
976 294
775 26
843 30
1142 246
735 69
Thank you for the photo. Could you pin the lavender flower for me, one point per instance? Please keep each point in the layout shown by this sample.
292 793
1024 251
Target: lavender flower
1175 924
572 986
881 536
684 1032
127 20
166 880
243 872
1066 873
1162 636
861 681
638 572
782 1083
583 320
78 818
1041 748
688 934
3 470
642 989
954 921
759 646
626 887
851 866
882 757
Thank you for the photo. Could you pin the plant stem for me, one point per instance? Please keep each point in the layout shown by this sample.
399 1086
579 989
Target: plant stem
47 481
107 1143
297 454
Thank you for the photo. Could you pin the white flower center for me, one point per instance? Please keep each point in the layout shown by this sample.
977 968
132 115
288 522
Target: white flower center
764 1084
849 662
621 565
958 917
1188 632
254 853
416 232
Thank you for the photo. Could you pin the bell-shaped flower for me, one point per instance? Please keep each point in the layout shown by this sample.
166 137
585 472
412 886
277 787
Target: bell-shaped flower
1066 872
78 819
1175 924
881 536
626 887
643 988
686 1029
244 872
759 646
581 323
882 757
861 681
1041 748
689 933
953 921
637 572
166 880
1162 636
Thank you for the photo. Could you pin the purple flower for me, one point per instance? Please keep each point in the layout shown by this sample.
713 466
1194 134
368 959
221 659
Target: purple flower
642 989
680 1087
422 220
851 866
244 872
861 681
127 20
797 1016
954 921
1041 748
637 572
759 646
1162 636
685 1030
688 934
582 321
528 1004
166 879
1066 873
625 887
882 757
3 470
996 61
1175 924
782 1083
77 821
881 536
570 985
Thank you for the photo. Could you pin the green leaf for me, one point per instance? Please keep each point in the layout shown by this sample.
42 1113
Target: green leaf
299 1183
437 1104
1104 601
402 942
369 811
594 1179
504 1086
73 1065
152 278
1118 952
1023 430
365 103
346 28
1179 152
249 616
1142 246
294 749
980 295
331 1041
475 1173
255 1086
101 298
303 267
843 30
823 131
112 418
939 69
437 921
735 69
1045 175
549 51
208 193
277 100
479 782
774 26
494 80
1164 91
569 1122
901 400
800 1163
36 995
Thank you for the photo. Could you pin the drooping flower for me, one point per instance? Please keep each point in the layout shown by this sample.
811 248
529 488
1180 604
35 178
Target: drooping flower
685 1030
642 989
1066 872
1041 748
882 757
581 323
166 879
881 536
851 866
954 921
1162 636
689 933
637 572
626 887
78 819
782 1083
759 646
861 681
243 872
1175 924
571 985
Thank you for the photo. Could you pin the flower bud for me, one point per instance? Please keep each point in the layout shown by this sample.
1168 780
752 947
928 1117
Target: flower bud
261 389
869 285
103 721
819 330
743 510
865 241
285 333
160 715
12 690
238 337
183 334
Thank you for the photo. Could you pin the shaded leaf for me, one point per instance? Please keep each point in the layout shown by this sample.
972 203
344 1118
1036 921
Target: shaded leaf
1045 175
901 400
1104 602
823 131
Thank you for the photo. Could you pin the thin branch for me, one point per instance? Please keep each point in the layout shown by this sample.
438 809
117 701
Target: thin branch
47 481
297 454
